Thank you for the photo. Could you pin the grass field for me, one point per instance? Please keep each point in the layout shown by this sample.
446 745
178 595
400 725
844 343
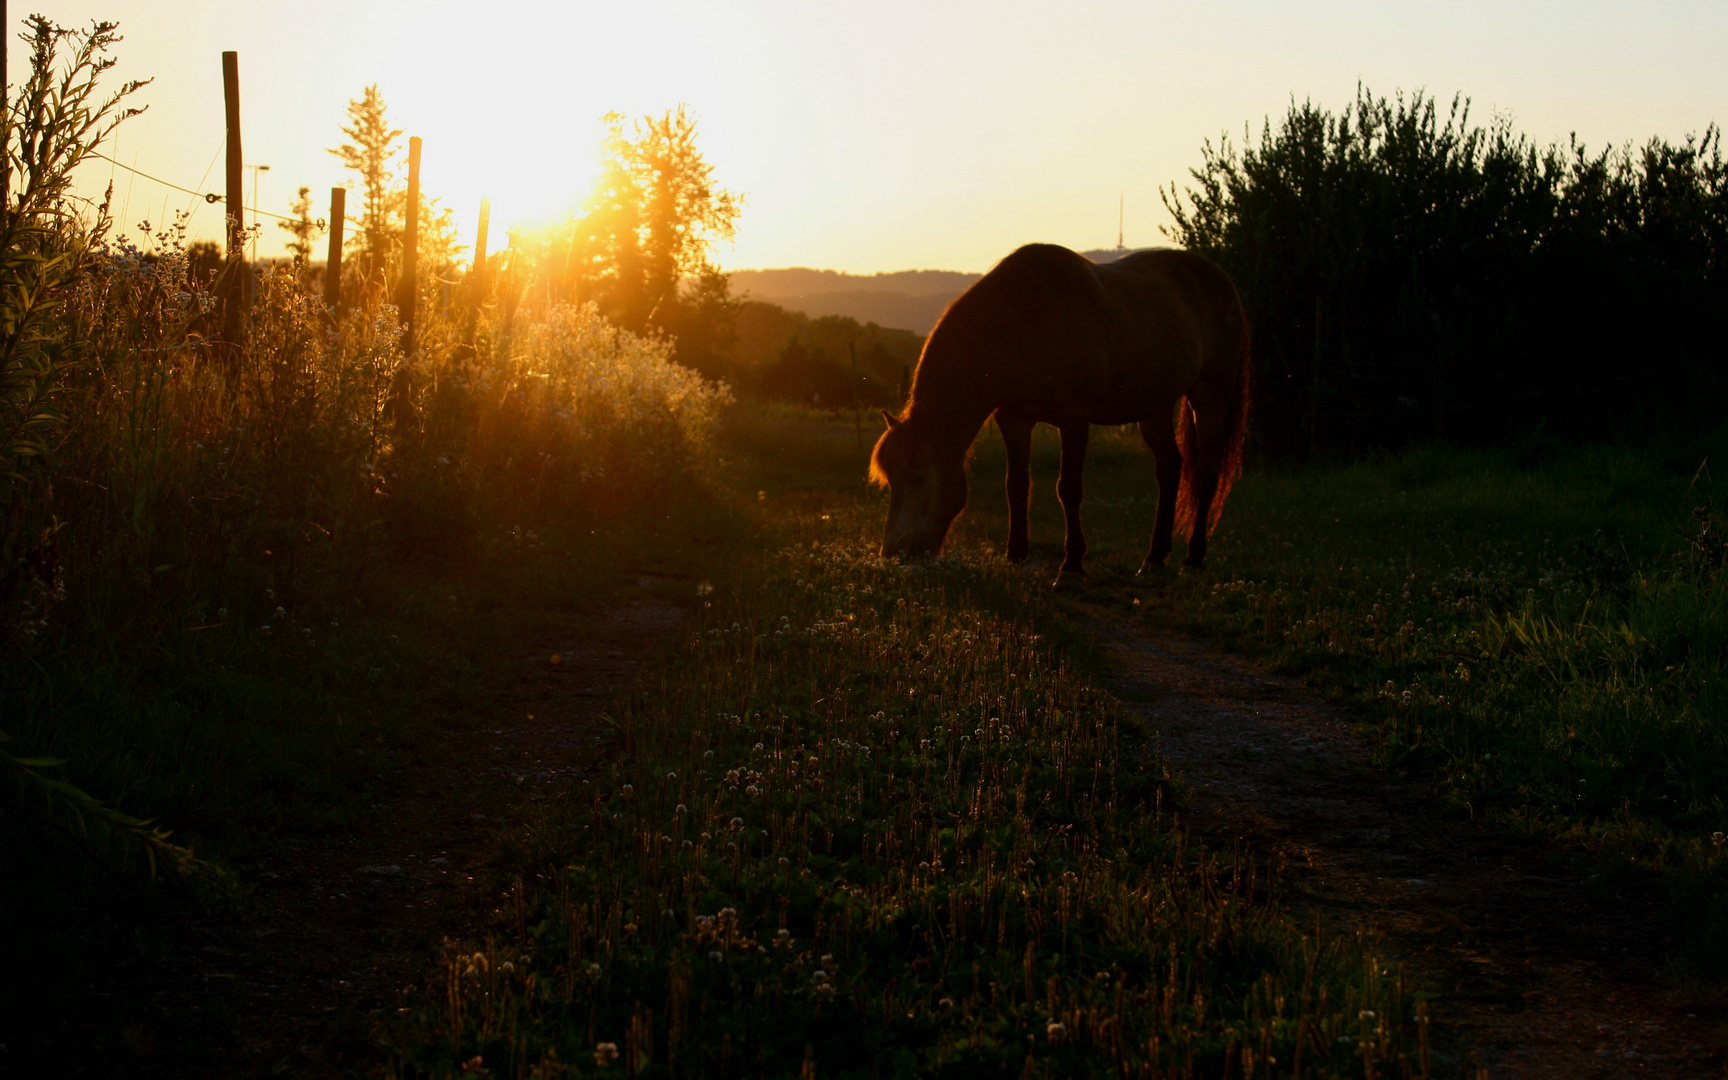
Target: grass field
880 813
850 801
1541 631
875 820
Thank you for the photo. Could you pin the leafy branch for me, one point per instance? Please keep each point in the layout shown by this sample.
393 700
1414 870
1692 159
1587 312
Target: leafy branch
85 820
56 122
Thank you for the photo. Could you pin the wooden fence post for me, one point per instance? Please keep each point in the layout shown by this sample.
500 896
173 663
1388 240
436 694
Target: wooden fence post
857 397
408 290
333 262
234 296
5 154
476 285
479 242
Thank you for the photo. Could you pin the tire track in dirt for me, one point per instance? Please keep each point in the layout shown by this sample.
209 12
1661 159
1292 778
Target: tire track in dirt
340 929
1534 977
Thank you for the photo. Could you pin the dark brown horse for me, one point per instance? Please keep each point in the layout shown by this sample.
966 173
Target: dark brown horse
1047 337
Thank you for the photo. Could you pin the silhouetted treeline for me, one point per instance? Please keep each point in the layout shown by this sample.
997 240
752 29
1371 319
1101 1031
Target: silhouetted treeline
1410 275
790 356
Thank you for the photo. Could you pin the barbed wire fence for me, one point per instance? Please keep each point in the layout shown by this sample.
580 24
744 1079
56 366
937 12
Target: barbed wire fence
213 198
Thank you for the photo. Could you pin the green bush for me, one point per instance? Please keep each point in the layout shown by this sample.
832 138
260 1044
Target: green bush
1412 275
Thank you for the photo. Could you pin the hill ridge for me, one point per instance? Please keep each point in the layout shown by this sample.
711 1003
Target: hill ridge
900 299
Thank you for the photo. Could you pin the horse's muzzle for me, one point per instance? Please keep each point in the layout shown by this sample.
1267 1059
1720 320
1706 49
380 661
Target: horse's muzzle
910 547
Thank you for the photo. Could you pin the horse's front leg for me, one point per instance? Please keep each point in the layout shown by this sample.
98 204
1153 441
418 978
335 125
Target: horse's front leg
1017 437
1069 489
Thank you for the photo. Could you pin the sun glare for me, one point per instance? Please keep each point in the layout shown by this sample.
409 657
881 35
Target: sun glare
515 116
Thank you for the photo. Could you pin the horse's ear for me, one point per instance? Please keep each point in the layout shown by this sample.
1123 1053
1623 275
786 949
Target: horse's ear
888 416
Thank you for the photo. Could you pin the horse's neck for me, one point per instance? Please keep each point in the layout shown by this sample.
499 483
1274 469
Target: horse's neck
950 415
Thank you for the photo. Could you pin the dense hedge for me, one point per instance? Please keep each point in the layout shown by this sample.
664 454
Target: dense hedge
1411 275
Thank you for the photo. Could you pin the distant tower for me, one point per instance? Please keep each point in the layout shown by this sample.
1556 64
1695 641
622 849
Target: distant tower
1121 205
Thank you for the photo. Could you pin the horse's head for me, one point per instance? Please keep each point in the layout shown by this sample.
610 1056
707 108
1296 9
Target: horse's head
926 489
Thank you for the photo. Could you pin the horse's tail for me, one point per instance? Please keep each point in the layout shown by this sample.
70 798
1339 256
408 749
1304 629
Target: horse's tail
1235 431
1235 437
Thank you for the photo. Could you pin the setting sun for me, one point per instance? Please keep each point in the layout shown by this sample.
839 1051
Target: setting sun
510 106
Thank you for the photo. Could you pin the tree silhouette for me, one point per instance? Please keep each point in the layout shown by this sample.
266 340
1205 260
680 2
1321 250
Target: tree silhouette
642 247
371 154
300 227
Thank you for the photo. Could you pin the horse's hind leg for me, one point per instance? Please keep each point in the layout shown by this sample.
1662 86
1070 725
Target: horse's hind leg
1069 489
1017 437
1209 440
1160 436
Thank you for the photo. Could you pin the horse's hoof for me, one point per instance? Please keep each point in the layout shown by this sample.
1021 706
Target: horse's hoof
1070 580
1150 567
1194 564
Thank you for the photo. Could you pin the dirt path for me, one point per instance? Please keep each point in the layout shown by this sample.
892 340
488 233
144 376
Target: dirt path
1534 977
341 928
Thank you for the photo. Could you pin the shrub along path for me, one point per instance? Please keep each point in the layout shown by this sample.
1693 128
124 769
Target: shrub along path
1533 975
341 928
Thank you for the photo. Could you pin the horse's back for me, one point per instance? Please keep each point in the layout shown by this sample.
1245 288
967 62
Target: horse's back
1061 339
1175 275
1037 328
1042 290
1179 325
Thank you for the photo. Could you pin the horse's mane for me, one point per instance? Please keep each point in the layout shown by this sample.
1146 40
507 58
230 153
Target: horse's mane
878 476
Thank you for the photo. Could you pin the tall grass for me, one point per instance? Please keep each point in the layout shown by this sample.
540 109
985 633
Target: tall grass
872 822
221 616
227 504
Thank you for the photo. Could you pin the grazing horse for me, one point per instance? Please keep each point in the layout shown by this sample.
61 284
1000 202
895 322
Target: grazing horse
1047 337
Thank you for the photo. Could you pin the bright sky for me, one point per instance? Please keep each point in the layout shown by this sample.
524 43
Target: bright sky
865 136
